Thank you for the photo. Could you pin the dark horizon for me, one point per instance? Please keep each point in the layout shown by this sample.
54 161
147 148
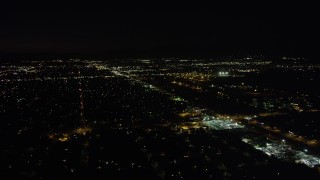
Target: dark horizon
157 31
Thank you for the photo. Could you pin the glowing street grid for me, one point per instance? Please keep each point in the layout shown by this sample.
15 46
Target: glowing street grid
279 150
191 119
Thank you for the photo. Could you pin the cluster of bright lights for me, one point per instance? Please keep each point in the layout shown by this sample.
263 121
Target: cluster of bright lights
281 150
219 124
222 73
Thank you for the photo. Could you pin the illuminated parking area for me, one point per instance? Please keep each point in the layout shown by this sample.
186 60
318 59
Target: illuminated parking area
281 150
223 74
219 124
309 160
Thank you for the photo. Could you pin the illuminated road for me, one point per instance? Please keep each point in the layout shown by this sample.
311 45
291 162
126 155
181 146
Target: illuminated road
277 148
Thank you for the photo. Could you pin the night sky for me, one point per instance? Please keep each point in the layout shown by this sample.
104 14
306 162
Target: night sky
158 29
